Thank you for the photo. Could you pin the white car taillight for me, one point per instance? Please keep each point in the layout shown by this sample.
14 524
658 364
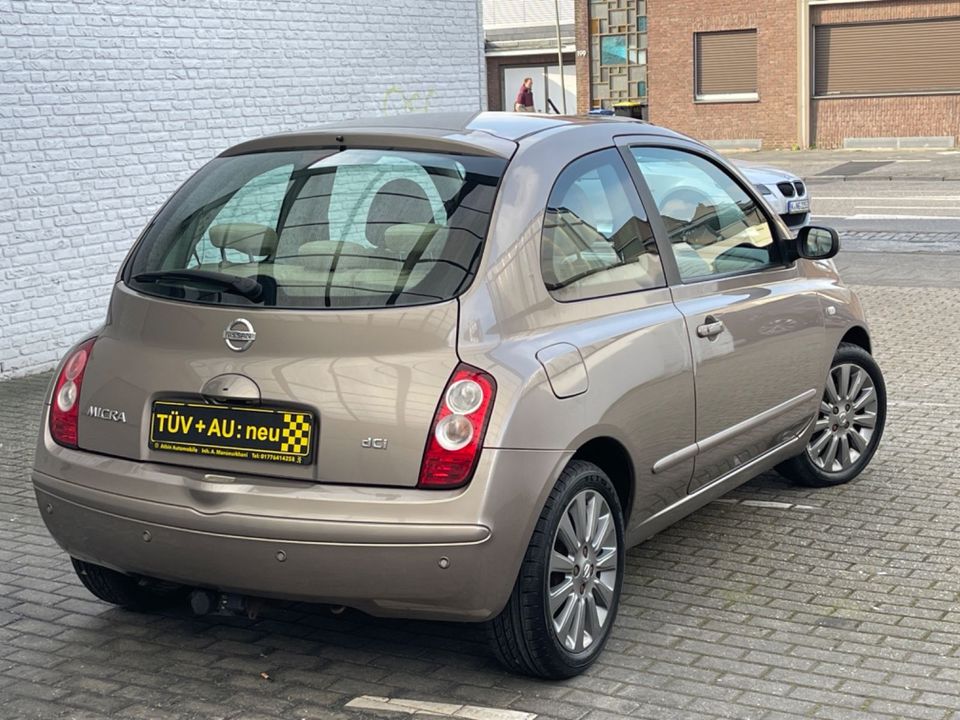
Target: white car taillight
464 396
456 436
64 410
454 432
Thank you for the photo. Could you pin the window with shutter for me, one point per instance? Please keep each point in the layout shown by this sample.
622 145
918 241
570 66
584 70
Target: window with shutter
726 65
892 58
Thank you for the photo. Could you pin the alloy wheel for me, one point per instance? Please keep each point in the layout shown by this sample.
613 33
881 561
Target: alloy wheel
583 572
847 419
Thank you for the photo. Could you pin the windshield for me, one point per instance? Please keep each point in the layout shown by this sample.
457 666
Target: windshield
321 229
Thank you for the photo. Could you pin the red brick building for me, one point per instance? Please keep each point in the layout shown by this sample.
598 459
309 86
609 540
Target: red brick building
786 73
913 106
765 110
611 44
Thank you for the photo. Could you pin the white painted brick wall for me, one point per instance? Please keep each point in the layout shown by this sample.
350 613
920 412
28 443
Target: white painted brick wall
106 107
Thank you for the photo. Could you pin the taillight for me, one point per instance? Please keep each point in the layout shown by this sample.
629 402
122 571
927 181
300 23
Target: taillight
64 406
459 424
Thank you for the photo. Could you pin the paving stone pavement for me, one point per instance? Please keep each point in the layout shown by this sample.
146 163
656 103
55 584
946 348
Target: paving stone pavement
828 166
861 241
775 602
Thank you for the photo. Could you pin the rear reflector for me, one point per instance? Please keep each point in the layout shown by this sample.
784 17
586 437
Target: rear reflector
65 403
456 435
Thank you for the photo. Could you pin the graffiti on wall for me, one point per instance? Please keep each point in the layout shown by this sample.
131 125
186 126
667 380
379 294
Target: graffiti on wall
395 100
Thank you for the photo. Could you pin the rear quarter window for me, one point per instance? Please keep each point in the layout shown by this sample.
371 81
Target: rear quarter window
596 238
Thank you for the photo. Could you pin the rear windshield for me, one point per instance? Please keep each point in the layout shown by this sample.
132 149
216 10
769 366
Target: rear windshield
321 229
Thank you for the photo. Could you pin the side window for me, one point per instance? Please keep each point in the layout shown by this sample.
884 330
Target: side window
596 238
714 227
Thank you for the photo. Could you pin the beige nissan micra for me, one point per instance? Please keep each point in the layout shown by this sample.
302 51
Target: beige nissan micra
447 367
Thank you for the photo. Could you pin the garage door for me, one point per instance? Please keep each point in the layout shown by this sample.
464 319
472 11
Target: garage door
887 58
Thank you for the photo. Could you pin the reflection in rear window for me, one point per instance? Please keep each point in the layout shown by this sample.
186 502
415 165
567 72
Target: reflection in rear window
321 229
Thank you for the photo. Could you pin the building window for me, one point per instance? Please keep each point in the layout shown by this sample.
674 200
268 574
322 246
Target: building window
642 88
613 50
642 23
892 58
725 66
618 51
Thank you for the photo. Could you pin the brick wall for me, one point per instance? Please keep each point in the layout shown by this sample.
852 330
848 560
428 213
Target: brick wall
885 117
834 119
892 10
495 76
105 108
581 22
671 26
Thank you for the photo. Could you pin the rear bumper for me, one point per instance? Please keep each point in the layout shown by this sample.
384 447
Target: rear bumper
390 552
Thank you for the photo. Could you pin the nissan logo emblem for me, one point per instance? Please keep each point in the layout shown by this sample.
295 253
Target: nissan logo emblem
239 335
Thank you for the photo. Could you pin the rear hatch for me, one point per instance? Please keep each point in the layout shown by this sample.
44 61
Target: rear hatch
292 314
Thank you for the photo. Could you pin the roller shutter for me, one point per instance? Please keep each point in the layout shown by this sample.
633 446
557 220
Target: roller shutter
887 58
726 63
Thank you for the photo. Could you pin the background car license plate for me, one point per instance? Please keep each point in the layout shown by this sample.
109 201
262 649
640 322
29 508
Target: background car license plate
243 433
798 206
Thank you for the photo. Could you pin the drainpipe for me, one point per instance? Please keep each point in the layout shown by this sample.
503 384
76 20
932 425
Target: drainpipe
804 104
563 85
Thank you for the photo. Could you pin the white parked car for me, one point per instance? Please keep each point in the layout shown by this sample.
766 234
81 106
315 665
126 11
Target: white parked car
784 192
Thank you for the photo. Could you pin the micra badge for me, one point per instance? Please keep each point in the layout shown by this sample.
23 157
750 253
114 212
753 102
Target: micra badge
107 414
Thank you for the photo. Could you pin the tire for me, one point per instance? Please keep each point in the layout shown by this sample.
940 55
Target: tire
128 591
523 636
815 466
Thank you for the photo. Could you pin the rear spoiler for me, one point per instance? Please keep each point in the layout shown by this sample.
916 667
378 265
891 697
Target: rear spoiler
458 142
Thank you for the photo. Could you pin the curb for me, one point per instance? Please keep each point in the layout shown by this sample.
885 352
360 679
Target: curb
815 179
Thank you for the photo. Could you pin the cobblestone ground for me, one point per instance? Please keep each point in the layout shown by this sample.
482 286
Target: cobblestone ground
774 602
899 242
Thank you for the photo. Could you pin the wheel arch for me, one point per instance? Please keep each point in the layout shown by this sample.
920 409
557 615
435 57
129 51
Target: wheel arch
609 454
857 335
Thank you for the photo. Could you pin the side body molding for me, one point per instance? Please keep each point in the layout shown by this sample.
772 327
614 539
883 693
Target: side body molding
719 438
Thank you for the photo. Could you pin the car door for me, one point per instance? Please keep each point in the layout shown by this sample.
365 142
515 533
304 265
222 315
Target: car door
755 328
614 327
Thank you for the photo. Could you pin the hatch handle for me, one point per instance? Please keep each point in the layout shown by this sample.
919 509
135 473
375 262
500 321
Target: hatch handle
231 387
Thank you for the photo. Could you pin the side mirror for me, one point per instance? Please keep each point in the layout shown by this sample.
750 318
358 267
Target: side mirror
817 243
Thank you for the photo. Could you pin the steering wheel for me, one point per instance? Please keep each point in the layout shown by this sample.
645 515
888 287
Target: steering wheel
681 204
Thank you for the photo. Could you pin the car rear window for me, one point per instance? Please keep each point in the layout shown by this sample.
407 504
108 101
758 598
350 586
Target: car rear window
321 229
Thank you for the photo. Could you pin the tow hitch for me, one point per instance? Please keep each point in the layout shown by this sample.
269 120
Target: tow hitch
206 602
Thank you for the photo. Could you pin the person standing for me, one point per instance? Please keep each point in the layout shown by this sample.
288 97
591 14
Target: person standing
524 101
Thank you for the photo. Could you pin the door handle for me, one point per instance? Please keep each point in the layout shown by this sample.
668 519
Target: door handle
710 329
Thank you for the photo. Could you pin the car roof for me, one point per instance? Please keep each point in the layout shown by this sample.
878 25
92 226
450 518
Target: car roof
485 133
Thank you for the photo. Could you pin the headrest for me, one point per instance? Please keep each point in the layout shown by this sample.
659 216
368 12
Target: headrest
248 238
403 238
319 254
399 201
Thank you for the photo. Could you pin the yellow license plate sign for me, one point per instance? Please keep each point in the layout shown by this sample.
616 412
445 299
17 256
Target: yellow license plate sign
261 434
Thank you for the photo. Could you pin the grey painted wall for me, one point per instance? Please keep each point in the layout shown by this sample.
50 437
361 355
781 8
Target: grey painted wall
106 107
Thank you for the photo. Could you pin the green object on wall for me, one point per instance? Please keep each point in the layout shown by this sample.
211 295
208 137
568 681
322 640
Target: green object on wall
613 50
